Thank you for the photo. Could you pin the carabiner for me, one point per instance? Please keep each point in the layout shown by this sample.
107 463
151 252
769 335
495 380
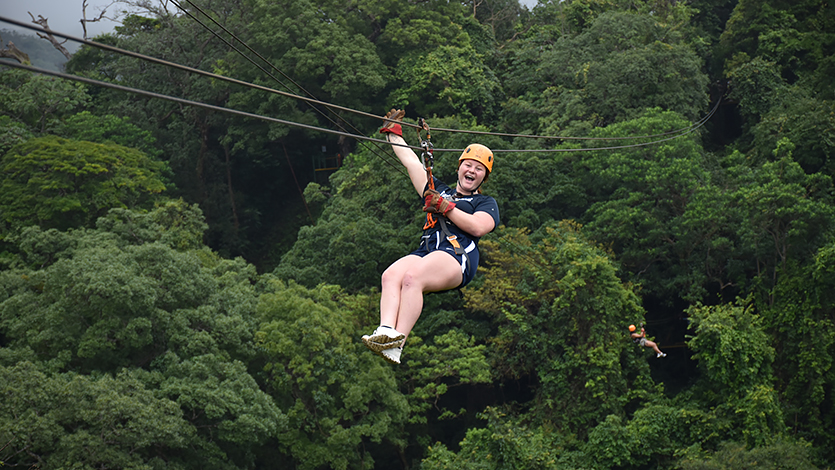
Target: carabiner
426 150
426 146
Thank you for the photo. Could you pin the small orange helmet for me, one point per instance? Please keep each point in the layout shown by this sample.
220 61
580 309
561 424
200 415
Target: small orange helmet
480 154
631 327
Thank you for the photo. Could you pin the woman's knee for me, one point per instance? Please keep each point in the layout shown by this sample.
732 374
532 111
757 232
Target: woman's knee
391 277
411 279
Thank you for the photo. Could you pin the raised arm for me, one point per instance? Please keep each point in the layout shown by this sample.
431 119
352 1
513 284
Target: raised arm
409 159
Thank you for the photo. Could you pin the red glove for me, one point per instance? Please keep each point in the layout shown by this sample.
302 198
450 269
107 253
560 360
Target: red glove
393 127
436 204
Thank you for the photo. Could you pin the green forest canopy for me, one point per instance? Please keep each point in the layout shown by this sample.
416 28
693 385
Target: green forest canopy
182 288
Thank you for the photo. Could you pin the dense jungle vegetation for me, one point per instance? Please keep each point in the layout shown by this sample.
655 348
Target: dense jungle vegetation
184 288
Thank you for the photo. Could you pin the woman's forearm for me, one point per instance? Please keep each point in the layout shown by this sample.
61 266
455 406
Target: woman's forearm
478 224
409 159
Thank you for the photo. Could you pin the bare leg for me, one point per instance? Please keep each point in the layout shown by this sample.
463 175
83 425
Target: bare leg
405 282
391 285
654 346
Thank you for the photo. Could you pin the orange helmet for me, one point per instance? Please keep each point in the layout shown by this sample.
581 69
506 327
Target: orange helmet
631 327
480 154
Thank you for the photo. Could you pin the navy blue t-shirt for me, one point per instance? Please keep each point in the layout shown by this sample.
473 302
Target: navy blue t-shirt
469 204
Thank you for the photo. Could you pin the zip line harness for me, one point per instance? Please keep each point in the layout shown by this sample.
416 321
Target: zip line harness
428 160
637 341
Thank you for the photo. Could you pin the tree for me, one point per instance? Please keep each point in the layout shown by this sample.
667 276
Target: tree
446 81
787 213
768 47
801 329
60 183
37 100
560 309
621 65
756 85
337 250
42 55
783 454
339 398
502 444
808 123
108 129
794 36
146 308
13 132
641 199
52 420
736 358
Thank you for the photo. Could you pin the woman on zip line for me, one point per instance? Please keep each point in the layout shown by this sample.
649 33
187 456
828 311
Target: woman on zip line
448 256
641 339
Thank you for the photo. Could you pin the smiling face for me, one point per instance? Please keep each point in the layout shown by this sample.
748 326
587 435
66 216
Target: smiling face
470 176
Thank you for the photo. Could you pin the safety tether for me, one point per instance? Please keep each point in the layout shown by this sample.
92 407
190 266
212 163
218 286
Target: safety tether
428 160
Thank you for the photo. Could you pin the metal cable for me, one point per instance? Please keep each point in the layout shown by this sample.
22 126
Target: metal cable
334 106
198 104
306 126
190 69
388 161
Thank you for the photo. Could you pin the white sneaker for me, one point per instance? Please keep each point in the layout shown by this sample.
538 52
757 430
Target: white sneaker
392 355
661 355
383 338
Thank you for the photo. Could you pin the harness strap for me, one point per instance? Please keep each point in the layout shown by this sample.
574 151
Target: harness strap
436 239
452 239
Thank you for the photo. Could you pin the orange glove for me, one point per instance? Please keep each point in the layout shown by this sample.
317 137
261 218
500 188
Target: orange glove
435 204
393 127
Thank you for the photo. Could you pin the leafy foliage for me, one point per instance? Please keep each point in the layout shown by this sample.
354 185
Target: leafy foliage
559 306
218 327
37 100
734 455
60 183
800 321
447 80
337 396
86 421
734 353
108 129
147 323
351 246
620 65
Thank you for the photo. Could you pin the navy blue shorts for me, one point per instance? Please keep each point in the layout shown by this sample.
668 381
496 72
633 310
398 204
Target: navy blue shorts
468 261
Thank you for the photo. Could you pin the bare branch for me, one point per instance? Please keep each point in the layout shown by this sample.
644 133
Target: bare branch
14 53
157 8
42 22
101 16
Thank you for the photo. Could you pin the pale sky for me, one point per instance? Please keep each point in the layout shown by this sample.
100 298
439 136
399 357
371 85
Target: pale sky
63 15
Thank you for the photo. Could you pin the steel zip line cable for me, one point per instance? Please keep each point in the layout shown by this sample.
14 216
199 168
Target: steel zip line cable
323 114
498 134
195 71
329 105
189 69
198 104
